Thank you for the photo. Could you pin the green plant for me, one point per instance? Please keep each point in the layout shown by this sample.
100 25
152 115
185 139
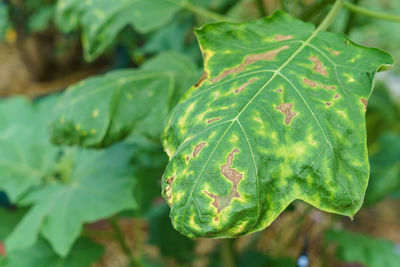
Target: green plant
278 115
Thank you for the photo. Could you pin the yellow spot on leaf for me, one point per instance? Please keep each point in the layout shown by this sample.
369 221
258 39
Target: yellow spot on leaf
93 131
95 113
77 127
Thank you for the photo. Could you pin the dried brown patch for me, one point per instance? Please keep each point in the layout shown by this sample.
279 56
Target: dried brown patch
315 84
213 119
168 189
268 56
328 104
278 90
197 149
202 79
280 37
318 66
187 158
243 86
232 175
336 53
364 102
336 96
286 108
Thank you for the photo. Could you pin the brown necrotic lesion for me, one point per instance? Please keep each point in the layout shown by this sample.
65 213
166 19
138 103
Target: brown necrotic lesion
318 66
281 37
251 59
243 86
197 149
286 109
221 202
213 120
168 189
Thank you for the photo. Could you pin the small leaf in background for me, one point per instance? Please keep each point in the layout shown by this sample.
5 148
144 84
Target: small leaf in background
385 168
279 115
102 20
83 254
98 184
162 234
102 110
363 249
26 156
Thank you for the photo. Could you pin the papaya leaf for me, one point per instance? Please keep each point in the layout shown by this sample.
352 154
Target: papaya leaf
102 110
363 249
92 186
385 169
84 253
279 115
26 156
102 20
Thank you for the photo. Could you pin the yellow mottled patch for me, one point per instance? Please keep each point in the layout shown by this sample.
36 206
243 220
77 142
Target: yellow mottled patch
238 229
62 119
85 133
207 54
95 113
93 131
178 196
350 78
182 120
234 138
291 151
168 151
77 127
311 141
341 112
273 135
212 135
193 224
355 58
216 94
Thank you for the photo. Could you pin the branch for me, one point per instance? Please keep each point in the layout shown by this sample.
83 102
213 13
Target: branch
370 13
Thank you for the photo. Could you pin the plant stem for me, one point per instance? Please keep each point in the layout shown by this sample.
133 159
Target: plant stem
331 16
261 8
351 20
121 240
370 13
310 12
227 252
203 12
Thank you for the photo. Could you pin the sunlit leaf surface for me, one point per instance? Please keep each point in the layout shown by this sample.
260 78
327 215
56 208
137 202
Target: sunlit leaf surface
279 115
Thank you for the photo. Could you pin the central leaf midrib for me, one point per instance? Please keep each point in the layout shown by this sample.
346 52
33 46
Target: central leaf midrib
276 73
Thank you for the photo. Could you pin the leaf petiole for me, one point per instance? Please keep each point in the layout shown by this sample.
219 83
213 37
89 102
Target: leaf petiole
370 13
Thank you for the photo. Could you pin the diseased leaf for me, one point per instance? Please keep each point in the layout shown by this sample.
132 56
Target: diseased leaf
385 169
102 20
364 249
279 115
102 110
83 254
94 185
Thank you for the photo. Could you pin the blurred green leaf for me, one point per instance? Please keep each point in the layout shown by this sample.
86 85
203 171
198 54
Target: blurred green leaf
41 19
9 218
26 156
102 110
385 168
162 234
5 23
363 249
102 20
92 186
83 254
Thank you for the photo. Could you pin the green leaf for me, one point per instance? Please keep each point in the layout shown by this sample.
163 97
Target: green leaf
279 116
102 110
385 169
364 249
162 233
83 254
102 20
26 157
9 218
96 185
